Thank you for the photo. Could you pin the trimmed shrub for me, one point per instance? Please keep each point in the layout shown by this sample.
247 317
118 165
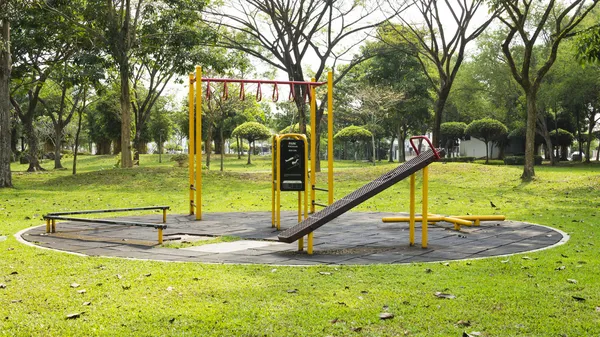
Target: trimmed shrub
458 160
520 160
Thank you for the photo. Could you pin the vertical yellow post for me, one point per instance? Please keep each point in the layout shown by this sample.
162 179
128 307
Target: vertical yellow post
53 225
301 244
306 190
164 215
191 141
412 211
274 179
160 236
424 214
47 225
330 135
309 248
278 187
313 145
198 143
299 206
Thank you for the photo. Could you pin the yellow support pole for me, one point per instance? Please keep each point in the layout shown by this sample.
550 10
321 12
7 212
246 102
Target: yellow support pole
299 206
198 143
412 211
53 225
330 135
309 248
191 141
47 225
313 145
424 214
164 215
301 244
274 179
306 187
160 236
278 194
430 218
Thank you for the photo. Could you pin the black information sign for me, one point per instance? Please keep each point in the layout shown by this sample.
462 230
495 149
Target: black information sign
292 165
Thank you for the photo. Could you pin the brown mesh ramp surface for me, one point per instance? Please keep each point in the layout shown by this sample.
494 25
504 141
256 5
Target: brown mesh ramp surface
359 196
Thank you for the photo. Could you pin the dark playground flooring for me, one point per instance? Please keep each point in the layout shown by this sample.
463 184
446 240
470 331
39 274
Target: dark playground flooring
355 238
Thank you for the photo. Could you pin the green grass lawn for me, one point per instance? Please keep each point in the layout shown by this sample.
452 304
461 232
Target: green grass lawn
554 292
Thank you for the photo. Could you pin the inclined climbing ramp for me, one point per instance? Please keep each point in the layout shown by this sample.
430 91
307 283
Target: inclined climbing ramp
359 196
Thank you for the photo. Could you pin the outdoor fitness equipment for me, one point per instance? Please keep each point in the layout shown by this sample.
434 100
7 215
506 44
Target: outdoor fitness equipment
195 130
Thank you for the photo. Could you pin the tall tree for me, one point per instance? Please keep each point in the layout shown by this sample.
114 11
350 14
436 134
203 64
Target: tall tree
528 21
287 33
442 44
6 10
42 43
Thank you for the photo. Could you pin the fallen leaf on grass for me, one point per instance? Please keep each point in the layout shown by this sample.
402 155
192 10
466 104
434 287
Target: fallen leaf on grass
570 280
359 329
119 276
597 309
386 315
16 301
526 258
447 264
2 286
505 261
147 275
472 334
462 323
333 321
74 285
560 268
324 273
86 303
577 298
15 273
172 320
292 291
444 295
126 287
82 291
428 271
75 315
169 288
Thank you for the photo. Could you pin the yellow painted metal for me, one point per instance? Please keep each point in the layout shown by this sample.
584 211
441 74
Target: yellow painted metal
299 206
191 141
330 136
278 175
481 217
300 244
47 225
53 225
411 235
309 245
273 179
430 219
198 143
424 212
313 145
164 215
306 187
160 236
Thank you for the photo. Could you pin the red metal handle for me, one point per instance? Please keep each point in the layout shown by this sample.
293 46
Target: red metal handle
412 143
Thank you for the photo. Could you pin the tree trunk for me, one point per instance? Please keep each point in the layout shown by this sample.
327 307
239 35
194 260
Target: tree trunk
391 160
126 160
373 145
590 136
57 145
528 167
249 151
439 109
208 147
76 149
32 143
222 147
487 151
5 69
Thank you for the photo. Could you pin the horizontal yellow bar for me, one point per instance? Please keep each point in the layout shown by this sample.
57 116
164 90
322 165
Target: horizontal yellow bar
434 218
481 217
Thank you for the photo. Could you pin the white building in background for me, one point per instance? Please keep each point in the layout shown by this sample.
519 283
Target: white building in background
476 148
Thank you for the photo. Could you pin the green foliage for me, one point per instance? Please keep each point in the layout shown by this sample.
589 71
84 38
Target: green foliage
182 159
564 138
458 160
296 129
520 160
251 131
353 134
486 129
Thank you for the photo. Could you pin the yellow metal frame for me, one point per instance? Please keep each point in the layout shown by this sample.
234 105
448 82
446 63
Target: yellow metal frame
276 176
195 150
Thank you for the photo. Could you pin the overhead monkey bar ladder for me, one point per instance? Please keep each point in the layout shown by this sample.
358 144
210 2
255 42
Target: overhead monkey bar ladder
195 128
